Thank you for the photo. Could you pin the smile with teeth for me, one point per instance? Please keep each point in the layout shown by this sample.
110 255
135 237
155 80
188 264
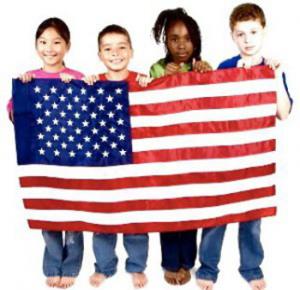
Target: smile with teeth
116 61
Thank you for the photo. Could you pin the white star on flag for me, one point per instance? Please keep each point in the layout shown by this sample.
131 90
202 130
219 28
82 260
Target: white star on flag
37 89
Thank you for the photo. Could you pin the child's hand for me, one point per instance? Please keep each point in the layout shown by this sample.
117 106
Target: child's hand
201 66
172 68
11 116
90 80
245 63
66 78
26 77
272 63
143 80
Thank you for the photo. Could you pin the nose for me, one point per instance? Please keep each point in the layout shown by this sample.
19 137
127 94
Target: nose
247 38
49 47
115 52
181 43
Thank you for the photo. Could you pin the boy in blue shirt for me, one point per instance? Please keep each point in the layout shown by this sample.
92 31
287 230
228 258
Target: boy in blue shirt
247 23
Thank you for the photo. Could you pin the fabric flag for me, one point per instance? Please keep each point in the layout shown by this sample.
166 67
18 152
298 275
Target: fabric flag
191 150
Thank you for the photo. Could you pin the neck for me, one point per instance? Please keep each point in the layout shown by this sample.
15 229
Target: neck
53 68
254 59
117 75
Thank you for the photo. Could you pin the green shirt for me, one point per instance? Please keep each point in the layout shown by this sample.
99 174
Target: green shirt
158 69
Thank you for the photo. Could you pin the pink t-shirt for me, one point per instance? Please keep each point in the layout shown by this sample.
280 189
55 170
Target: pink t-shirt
41 74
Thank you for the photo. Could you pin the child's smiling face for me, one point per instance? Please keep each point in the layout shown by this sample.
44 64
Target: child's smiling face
179 42
51 48
115 51
248 36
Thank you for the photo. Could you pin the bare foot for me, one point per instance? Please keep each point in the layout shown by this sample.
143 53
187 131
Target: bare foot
66 282
171 277
139 280
184 276
97 279
181 277
205 284
258 284
53 281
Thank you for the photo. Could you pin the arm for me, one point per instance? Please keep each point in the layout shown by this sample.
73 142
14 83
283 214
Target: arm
284 103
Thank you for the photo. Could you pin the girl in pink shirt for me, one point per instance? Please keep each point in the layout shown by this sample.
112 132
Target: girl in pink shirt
63 255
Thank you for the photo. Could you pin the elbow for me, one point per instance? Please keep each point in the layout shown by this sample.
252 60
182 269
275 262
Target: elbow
283 115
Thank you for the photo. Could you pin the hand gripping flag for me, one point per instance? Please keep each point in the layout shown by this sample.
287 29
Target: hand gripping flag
191 150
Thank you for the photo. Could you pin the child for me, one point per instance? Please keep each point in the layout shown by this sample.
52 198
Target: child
115 51
63 256
247 23
181 36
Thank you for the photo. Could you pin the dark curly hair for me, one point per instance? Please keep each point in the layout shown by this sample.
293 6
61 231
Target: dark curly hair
166 19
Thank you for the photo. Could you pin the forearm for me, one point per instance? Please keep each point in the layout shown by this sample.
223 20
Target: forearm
283 103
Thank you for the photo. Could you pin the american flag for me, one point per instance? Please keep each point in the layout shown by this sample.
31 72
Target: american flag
190 150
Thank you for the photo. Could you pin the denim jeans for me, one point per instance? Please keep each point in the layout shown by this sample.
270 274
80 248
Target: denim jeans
104 246
179 250
62 257
250 247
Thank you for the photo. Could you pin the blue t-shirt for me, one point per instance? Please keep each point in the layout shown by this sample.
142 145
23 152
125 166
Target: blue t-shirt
232 62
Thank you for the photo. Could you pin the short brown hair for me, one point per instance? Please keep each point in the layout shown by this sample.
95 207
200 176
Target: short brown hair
113 29
245 12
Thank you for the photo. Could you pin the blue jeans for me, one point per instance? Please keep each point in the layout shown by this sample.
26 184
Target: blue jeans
251 251
104 246
179 250
62 258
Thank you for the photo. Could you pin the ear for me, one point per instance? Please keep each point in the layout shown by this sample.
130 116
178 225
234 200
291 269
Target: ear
265 31
131 53
100 55
68 46
231 34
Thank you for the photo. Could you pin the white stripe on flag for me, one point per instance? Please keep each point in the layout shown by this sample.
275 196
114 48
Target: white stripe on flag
150 193
148 169
198 91
203 140
150 215
204 116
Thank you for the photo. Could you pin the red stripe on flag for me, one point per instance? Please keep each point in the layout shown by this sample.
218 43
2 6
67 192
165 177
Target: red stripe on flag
147 181
203 104
204 127
215 77
139 205
153 227
204 152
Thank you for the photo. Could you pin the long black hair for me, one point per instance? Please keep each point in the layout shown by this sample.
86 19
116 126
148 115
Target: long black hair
166 19
59 25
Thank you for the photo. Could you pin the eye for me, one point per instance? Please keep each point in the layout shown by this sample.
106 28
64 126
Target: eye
187 38
253 31
57 42
107 49
42 42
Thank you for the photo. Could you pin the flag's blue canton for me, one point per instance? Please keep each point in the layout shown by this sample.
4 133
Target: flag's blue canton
72 124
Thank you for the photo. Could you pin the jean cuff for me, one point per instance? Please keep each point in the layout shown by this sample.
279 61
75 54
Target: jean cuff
72 274
52 274
206 276
252 275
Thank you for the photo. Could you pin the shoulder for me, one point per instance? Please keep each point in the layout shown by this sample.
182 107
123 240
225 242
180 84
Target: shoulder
158 69
131 79
75 73
230 62
102 77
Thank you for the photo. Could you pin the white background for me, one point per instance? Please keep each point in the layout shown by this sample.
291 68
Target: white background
21 249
